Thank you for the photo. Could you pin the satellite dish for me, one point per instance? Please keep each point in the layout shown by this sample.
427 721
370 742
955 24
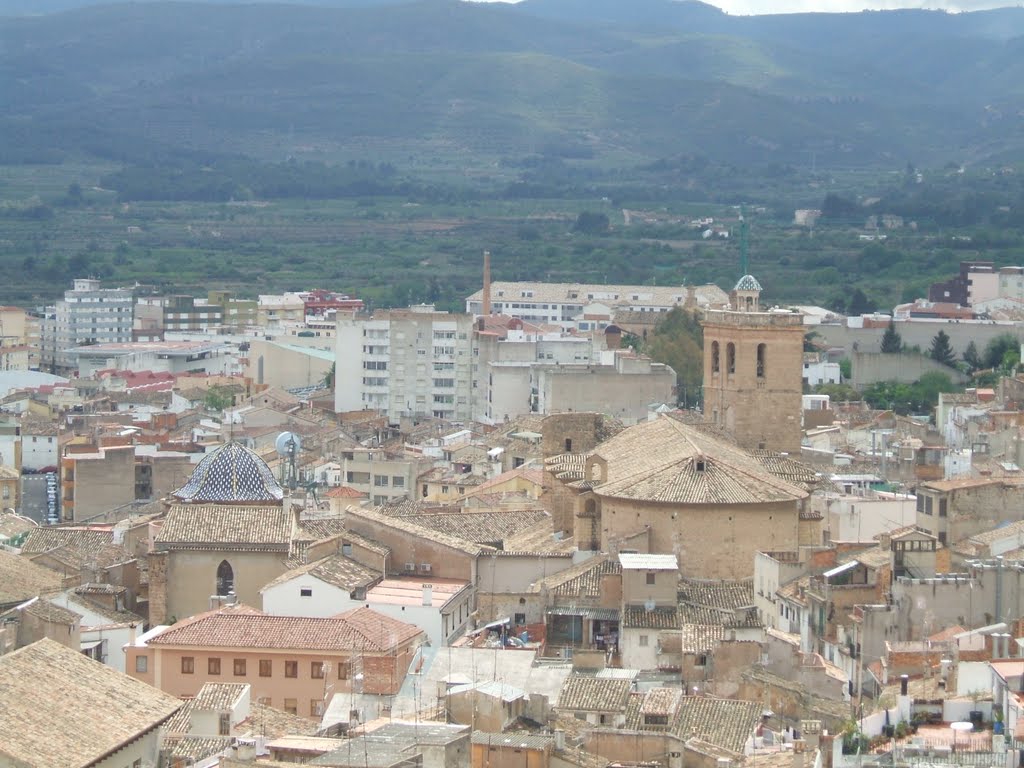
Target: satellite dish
287 444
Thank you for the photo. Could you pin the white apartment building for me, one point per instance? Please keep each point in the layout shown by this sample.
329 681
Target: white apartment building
88 314
562 303
535 372
408 362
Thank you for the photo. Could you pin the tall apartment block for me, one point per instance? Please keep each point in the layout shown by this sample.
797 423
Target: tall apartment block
408 362
88 314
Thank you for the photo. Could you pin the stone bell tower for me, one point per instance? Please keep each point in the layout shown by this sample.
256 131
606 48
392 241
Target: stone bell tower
753 370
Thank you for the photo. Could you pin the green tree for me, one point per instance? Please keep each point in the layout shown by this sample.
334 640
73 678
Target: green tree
591 223
217 399
1002 350
892 342
678 341
846 369
941 351
859 303
971 357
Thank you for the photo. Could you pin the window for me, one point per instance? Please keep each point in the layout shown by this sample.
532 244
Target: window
568 445
928 505
291 669
188 665
520 619
702 660
316 707
397 481
305 591
714 357
762 351
651 577
942 507
213 666
344 670
142 664
730 358
266 668
225 724
291 706
381 481
643 641
316 670
225 578
239 667
655 719
264 700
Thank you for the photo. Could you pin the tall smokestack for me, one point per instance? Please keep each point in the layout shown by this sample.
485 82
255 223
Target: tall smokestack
485 309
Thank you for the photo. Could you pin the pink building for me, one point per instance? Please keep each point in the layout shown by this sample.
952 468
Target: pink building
292 663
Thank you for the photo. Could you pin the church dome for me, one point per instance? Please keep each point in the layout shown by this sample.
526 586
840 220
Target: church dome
231 474
748 283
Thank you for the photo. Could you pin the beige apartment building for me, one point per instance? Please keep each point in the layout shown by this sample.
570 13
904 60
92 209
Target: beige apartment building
293 663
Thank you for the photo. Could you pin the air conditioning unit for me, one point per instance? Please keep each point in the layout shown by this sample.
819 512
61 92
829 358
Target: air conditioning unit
410 567
424 567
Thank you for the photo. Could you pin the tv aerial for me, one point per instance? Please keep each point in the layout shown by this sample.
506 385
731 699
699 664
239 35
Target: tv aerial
288 445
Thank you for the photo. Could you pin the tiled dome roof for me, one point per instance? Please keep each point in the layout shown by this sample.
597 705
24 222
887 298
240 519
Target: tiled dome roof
232 473
748 283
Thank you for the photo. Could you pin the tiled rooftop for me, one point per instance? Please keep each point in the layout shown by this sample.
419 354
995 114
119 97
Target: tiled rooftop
724 595
402 524
701 638
232 473
60 708
50 612
218 697
582 580
86 538
638 617
581 693
337 570
491 527
21 579
226 526
243 627
726 723
665 460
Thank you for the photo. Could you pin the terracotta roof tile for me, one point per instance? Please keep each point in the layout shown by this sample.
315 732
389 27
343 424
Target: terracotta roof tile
583 693
226 525
336 570
218 697
86 538
61 708
243 627
638 617
724 595
582 580
726 723
21 579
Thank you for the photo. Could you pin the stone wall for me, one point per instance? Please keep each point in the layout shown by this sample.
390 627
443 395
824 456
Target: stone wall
710 542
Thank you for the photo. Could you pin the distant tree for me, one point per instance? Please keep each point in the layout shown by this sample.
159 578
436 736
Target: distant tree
74 193
1000 350
836 207
892 342
591 223
810 345
838 393
941 351
859 303
217 399
971 357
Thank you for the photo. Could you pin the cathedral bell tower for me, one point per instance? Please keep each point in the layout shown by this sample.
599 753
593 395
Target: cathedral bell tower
753 370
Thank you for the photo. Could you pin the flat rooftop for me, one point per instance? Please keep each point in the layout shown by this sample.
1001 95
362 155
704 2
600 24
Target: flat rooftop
410 591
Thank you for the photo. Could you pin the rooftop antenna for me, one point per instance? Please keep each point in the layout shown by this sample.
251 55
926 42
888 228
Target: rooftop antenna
288 446
743 244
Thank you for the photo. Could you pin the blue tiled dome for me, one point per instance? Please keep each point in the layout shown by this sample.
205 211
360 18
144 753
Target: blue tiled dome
748 283
232 473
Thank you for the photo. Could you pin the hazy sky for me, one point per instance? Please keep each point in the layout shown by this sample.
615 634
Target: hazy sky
841 6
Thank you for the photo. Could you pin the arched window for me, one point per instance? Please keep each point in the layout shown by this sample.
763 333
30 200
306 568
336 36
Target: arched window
714 357
730 358
762 351
225 579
